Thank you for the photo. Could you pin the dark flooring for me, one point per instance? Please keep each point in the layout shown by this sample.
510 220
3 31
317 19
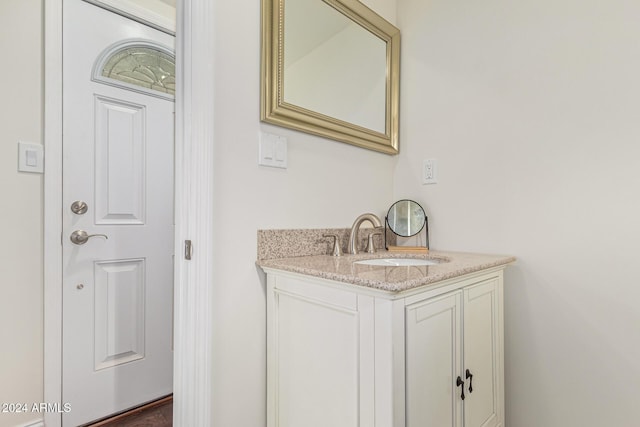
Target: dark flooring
154 414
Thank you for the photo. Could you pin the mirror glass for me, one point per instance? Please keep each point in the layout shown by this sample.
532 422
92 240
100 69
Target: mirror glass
331 68
334 66
406 218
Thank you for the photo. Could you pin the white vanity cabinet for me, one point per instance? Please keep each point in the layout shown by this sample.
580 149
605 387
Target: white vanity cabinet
453 353
343 355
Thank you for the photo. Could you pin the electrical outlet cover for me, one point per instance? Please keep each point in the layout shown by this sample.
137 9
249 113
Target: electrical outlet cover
429 171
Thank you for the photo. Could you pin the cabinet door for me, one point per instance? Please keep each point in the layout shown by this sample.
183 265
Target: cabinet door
433 362
482 354
320 356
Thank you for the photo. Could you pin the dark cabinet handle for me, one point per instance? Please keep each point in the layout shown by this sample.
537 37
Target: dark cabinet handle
469 376
459 383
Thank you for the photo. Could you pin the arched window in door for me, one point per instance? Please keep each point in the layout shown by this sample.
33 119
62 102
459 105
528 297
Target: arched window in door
138 65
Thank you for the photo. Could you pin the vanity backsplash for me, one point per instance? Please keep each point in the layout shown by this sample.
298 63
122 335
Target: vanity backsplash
273 244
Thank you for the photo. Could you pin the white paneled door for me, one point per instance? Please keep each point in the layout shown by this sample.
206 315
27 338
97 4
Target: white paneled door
118 169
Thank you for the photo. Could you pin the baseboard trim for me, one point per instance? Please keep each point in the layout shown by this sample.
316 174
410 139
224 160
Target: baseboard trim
38 423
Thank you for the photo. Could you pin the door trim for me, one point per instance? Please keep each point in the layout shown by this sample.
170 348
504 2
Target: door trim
193 305
194 278
131 10
53 208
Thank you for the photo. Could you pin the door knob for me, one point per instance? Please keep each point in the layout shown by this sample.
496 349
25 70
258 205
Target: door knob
80 237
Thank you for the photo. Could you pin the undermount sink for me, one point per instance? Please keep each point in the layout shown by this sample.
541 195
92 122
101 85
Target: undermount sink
397 262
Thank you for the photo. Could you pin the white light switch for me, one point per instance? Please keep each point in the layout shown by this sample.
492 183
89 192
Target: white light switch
272 150
30 157
281 150
267 149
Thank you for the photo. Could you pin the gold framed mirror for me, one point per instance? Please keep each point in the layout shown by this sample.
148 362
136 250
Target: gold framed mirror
331 68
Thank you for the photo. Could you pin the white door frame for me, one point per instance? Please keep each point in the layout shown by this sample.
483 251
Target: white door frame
192 372
131 9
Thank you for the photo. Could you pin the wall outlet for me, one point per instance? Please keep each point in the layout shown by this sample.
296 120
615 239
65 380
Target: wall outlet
429 171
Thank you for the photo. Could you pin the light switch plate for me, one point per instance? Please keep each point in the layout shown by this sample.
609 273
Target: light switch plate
272 150
30 157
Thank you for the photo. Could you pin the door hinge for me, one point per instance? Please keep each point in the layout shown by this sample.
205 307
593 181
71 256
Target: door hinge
188 249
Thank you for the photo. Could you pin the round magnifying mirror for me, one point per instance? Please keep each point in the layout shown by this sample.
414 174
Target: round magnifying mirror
406 218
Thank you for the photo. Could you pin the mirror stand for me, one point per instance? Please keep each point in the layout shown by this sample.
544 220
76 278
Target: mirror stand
403 218
394 248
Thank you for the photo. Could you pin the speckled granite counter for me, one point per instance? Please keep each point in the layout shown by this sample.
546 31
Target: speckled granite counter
386 278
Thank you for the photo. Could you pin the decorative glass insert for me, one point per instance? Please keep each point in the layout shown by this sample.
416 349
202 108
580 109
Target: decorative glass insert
143 66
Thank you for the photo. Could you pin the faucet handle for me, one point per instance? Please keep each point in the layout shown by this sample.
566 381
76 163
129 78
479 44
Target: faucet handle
337 248
370 245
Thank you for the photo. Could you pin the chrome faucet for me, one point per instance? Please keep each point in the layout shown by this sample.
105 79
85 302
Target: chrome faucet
353 235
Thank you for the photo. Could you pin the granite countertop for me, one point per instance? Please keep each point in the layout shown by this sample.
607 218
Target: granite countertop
387 278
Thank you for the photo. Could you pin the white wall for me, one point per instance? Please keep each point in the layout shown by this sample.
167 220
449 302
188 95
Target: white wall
532 110
327 184
21 308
